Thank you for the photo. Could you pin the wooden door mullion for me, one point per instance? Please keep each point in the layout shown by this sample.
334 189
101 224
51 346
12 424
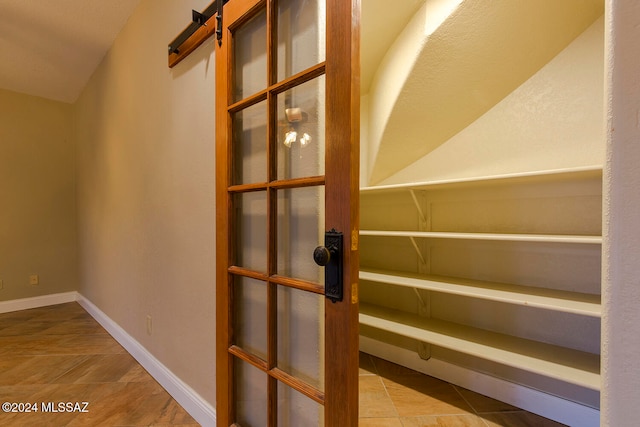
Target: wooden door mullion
272 171
272 36
298 385
272 308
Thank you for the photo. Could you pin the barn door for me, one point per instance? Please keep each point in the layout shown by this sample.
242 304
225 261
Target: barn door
287 157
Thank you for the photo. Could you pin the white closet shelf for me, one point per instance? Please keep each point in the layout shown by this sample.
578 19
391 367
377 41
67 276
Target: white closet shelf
572 366
513 178
542 238
550 299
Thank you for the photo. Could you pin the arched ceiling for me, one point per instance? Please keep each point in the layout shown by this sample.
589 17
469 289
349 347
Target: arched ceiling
380 27
451 63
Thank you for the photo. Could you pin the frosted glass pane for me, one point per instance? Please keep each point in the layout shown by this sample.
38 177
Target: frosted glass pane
300 231
300 335
250 57
250 315
251 230
301 113
250 145
301 41
251 390
295 409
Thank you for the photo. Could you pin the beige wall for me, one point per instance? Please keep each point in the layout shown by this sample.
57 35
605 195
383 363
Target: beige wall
146 182
621 248
37 197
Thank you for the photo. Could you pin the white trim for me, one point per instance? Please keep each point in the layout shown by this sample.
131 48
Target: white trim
191 401
546 405
37 302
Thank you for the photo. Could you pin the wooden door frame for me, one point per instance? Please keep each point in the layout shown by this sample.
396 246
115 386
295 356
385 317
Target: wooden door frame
343 113
341 190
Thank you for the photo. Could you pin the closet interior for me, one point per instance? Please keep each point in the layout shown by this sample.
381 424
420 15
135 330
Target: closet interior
481 254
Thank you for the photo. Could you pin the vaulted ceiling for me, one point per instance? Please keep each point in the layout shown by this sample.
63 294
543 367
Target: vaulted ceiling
50 48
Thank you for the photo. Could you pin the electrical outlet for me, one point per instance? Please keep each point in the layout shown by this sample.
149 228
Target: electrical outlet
148 324
34 279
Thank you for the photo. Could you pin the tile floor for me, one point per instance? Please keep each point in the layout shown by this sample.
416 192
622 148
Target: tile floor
394 396
61 354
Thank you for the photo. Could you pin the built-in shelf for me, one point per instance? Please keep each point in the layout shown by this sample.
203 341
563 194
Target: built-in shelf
554 216
550 299
540 238
572 366
553 175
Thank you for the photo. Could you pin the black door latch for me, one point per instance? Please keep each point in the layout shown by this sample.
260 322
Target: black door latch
330 256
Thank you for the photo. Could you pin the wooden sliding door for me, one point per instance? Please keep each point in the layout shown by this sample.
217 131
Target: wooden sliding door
287 156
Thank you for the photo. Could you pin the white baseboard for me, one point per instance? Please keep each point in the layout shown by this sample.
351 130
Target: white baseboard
191 401
37 302
546 405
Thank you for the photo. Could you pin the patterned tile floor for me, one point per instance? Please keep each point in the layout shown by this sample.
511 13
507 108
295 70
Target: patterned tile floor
394 396
61 354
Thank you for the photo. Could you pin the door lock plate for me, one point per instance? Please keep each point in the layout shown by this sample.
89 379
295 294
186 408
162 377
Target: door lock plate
330 256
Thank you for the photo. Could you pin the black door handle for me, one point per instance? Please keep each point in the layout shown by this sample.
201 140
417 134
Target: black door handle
322 255
329 256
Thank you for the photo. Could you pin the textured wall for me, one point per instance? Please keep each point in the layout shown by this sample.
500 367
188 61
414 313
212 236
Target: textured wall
37 197
621 249
554 120
453 63
146 199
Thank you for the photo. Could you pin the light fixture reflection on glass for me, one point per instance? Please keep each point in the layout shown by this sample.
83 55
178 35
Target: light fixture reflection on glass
290 137
295 117
305 139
